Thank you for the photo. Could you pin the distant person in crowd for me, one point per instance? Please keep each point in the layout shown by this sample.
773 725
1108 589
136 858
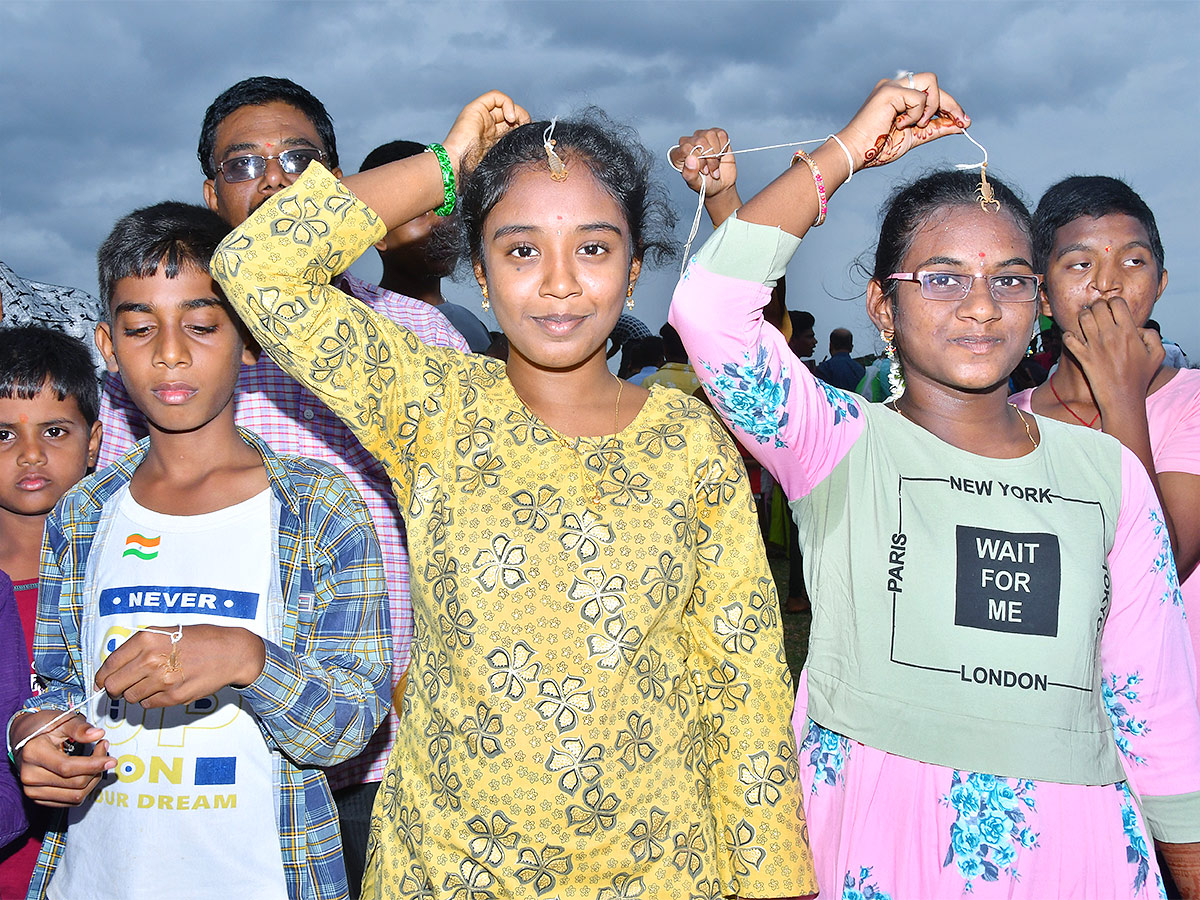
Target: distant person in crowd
1030 752
628 328
49 438
675 372
1099 245
1174 357
840 370
573 531
640 358
803 342
256 139
1051 347
416 258
69 310
212 618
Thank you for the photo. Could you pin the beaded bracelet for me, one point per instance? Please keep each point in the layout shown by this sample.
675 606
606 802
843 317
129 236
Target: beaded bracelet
818 181
449 199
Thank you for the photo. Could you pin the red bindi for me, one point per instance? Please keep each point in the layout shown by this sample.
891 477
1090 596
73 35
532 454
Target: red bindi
24 419
982 255
1106 249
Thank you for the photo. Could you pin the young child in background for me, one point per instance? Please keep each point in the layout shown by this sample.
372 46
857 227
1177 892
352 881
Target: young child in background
49 437
229 602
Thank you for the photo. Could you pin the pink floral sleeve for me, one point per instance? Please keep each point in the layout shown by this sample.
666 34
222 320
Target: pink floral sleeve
1146 659
798 427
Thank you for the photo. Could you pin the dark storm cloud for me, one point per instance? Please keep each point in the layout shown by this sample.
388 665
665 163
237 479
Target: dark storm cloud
102 102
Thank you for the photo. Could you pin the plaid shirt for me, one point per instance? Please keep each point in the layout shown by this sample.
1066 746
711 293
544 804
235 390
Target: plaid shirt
313 711
293 421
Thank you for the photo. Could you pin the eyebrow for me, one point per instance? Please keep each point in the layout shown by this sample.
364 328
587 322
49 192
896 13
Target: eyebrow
251 147
506 230
62 420
1082 247
951 261
198 303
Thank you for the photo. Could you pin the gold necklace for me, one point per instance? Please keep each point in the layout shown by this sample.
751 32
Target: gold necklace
1024 421
572 446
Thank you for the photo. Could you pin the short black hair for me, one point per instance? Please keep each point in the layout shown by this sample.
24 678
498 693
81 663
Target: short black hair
801 320
613 154
259 91
1093 196
33 357
390 152
673 347
178 236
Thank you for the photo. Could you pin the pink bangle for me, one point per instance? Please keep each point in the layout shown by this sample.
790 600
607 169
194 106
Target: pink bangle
818 181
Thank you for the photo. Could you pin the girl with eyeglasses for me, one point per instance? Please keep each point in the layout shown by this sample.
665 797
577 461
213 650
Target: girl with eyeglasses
998 697
598 700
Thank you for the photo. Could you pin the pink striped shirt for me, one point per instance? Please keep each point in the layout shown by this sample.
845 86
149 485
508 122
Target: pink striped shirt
293 421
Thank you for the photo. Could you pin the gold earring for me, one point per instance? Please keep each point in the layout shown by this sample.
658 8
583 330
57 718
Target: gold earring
486 305
629 298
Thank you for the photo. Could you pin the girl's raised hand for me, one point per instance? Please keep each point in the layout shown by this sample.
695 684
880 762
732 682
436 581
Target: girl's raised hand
688 158
481 123
896 117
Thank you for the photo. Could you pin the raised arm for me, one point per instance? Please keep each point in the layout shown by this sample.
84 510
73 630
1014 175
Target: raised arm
795 425
277 266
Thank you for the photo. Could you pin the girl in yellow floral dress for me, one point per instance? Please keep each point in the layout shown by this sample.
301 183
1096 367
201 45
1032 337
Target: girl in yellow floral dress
598 703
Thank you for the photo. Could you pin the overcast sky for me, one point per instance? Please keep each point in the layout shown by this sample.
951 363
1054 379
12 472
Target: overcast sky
101 104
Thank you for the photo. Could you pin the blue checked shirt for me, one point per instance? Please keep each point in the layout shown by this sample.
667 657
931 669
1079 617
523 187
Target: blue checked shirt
326 682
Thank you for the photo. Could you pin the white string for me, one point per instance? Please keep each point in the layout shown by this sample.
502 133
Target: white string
548 133
709 153
175 637
977 165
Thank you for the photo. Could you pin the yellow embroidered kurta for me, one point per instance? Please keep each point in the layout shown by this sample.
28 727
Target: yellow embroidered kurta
598 704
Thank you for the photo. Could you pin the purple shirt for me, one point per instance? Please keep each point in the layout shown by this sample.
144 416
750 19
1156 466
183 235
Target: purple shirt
14 689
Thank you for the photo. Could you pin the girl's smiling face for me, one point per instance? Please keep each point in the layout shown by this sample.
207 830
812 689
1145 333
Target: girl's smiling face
557 263
974 344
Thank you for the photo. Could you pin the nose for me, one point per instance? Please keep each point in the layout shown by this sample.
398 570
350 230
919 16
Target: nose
30 451
559 279
170 350
979 304
1106 276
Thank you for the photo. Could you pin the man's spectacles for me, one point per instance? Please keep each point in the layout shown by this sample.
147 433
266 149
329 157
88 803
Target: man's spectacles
955 286
245 168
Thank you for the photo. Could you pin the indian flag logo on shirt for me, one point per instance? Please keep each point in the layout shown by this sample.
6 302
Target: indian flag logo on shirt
141 546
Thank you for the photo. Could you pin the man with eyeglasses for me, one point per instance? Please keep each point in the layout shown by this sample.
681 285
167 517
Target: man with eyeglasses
257 137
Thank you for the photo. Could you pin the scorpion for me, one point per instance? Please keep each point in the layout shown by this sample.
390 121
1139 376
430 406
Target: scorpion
984 192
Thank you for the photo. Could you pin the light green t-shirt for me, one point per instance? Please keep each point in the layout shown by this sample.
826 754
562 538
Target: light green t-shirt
962 600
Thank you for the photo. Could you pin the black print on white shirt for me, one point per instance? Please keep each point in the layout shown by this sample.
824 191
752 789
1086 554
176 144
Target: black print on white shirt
1007 581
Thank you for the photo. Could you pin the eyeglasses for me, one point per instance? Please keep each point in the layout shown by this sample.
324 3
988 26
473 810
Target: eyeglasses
955 286
244 168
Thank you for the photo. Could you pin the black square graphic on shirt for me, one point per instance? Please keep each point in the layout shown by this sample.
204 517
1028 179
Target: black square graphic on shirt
1007 581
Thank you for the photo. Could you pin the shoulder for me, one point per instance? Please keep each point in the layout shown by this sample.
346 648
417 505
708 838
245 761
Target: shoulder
1183 390
316 478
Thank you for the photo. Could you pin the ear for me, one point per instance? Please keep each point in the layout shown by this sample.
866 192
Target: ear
1044 303
104 343
337 173
480 275
635 269
94 440
1162 286
210 195
250 354
879 307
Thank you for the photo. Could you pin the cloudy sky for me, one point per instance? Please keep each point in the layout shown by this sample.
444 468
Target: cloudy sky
101 103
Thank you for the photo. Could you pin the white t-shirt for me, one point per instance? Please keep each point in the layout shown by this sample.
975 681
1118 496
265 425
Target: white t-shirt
189 811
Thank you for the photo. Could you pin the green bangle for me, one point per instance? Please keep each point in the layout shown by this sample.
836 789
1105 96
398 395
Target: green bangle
449 200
